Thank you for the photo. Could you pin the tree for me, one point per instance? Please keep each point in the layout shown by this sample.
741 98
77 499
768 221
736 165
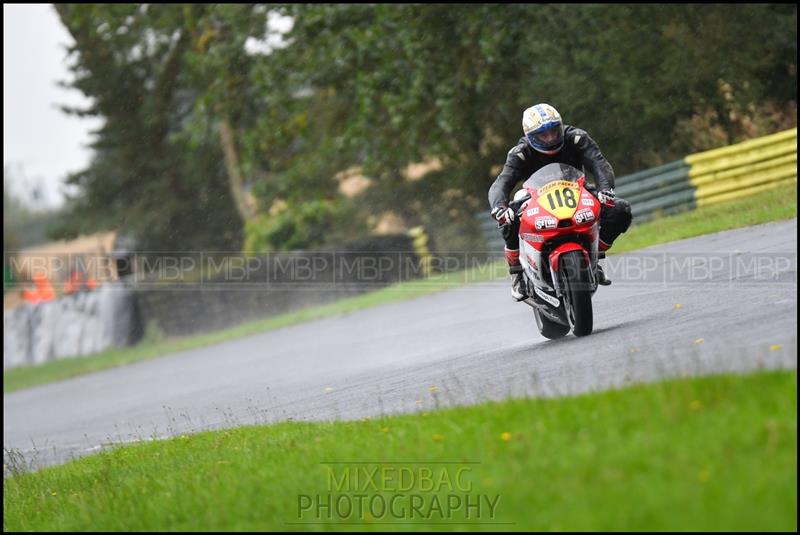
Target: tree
148 177
24 223
196 124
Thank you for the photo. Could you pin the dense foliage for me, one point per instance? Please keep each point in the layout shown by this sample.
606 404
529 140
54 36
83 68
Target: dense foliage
210 141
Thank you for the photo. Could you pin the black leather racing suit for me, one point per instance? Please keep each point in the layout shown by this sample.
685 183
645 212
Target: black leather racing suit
579 151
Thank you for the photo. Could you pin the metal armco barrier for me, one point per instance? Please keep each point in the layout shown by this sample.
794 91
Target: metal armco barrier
712 176
720 175
661 190
491 233
700 179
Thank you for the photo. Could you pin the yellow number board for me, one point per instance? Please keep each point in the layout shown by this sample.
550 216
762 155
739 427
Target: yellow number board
560 198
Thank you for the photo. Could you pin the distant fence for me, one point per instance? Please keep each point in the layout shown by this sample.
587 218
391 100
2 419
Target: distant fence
699 179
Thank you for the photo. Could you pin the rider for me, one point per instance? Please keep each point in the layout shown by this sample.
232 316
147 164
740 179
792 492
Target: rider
547 140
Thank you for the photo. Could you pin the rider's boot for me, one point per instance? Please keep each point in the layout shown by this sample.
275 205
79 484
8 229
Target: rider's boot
601 276
517 277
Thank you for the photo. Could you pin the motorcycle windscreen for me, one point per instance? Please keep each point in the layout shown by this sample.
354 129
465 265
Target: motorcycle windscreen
553 172
557 189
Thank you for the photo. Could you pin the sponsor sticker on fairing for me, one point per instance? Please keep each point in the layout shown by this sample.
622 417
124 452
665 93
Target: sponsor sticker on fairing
547 297
532 211
584 215
546 223
556 184
535 238
587 201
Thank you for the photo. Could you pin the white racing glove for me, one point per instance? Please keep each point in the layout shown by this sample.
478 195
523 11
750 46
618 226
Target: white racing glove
607 197
503 215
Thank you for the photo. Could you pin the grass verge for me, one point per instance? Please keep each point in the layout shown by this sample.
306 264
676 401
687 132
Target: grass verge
763 207
771 205
712 453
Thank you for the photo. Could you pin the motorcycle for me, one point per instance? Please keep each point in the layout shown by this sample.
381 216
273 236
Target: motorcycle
559 220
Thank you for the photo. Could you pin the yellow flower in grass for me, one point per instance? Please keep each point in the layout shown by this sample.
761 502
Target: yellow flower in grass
505 436
437 437
703 476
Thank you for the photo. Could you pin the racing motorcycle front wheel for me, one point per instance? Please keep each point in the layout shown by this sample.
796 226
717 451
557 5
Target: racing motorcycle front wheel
577 291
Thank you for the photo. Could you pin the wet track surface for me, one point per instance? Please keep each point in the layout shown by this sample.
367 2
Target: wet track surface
716 303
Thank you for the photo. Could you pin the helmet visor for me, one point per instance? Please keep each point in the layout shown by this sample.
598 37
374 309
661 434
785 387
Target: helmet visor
550 137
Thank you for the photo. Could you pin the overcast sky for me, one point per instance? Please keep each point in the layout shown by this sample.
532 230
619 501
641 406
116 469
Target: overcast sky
39 140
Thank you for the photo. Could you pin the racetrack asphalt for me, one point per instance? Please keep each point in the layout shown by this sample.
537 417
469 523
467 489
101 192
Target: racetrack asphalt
724 302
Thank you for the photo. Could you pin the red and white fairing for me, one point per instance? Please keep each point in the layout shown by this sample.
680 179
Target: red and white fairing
549 216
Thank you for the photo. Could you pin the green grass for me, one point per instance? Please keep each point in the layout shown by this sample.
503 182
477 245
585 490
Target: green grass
764 207
712 453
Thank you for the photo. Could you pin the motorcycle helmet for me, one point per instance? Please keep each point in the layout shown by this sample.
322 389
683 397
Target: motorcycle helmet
543 128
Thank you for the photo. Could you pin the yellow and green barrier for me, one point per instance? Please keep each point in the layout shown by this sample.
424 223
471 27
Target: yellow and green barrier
420 241
735 171
712 176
